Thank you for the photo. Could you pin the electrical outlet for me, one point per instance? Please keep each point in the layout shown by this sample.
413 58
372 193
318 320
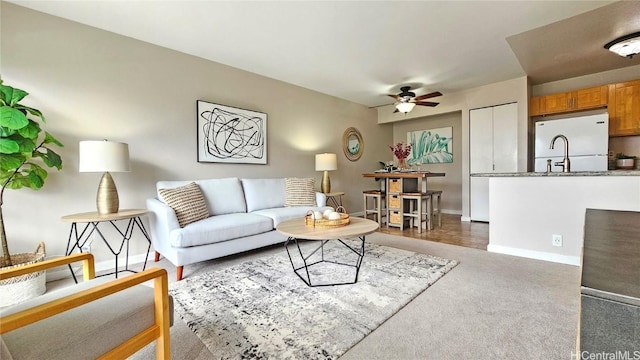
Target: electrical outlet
556 240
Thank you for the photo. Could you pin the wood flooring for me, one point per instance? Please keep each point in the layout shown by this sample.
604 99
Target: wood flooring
453 231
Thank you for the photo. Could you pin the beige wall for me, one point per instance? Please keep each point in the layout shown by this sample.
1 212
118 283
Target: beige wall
451 184
92 84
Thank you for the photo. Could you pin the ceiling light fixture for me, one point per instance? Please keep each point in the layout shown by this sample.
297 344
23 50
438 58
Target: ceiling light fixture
627 45
405 107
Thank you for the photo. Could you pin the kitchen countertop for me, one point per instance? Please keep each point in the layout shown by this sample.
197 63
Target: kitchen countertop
573 173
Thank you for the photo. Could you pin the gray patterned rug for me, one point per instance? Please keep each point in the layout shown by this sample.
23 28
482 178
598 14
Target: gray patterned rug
261 310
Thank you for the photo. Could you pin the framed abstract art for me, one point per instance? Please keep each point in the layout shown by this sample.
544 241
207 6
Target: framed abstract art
231 135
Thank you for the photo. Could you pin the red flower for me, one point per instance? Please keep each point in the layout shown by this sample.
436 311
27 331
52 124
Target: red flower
399 151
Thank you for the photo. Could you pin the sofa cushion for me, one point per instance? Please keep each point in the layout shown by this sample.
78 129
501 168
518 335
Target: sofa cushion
279 215
187 202
223 196
300 192
264 193
220 228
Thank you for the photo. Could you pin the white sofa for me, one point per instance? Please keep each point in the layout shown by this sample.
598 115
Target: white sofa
243 213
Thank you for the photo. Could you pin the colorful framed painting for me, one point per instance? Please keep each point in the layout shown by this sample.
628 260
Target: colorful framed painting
231 135
432 146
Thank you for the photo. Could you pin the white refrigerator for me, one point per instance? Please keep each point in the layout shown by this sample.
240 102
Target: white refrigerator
588 138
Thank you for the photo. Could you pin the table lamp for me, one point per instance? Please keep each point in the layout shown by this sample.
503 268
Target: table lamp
326 162
105 156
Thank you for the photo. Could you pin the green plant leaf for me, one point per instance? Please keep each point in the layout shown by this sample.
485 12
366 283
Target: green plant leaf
35 181
18 181
32 111
37 169
9 146
12 95
49 139
11 162
6 132
25 145
50 158
30 131
12 118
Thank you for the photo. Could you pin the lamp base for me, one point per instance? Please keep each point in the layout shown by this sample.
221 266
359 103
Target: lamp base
107 199
326 183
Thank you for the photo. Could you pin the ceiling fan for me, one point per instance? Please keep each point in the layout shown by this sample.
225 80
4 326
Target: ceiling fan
406 100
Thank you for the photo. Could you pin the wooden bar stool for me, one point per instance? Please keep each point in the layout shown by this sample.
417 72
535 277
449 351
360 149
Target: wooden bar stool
435 210
420 208
378 209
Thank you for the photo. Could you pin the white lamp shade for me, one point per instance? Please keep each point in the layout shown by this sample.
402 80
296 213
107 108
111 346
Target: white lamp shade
326 162
103 155
405 107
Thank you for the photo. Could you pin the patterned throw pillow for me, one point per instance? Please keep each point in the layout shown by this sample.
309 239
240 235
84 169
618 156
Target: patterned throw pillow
300 192
188 203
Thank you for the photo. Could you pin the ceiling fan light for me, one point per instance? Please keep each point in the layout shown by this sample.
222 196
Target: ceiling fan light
627 45
405 107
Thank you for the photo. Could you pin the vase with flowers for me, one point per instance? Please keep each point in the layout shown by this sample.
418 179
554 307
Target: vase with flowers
401 152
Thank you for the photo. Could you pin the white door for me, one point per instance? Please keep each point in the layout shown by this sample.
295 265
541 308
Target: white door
493 148
505 139
480 161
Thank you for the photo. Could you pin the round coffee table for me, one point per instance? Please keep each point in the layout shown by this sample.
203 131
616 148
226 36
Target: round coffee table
296 229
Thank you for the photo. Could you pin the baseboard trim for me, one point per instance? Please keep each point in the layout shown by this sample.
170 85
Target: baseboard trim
465 219
532 254
107 265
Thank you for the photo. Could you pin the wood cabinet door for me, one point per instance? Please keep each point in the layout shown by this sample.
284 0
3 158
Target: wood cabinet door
624 119
556 103
535 106
590 98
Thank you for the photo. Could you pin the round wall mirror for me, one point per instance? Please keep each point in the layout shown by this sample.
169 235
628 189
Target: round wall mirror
352 144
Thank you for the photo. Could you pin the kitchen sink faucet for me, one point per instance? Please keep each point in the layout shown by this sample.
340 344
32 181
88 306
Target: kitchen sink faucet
565 163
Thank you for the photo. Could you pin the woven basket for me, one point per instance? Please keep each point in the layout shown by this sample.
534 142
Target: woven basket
343 221
20 288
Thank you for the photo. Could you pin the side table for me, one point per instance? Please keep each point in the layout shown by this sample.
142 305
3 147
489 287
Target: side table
77 239
334 198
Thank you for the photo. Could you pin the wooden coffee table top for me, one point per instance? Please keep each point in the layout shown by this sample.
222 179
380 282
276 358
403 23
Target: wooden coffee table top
297 228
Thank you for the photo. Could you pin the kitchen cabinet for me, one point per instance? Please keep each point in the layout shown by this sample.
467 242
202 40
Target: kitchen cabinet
493 149
624 108
582 99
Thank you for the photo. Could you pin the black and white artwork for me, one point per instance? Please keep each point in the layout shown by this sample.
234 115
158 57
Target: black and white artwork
231 135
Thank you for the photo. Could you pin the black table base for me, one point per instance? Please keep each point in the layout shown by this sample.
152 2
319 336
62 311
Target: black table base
303 271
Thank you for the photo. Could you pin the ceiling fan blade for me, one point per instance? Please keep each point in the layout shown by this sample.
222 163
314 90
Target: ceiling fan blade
426 103
394 96
428 96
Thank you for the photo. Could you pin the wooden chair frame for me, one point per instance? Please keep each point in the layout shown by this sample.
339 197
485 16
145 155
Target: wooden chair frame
159 331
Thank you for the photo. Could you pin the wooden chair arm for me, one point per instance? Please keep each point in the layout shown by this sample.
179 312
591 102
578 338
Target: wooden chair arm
88 267
37 313
159 331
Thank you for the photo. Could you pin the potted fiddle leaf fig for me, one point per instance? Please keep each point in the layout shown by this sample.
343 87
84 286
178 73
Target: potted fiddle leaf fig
25 152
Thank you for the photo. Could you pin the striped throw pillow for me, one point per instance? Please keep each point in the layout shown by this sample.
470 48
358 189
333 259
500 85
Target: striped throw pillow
300 192
188 203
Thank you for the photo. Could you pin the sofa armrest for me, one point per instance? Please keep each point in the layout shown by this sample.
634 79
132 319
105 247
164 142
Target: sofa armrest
321 199
162 220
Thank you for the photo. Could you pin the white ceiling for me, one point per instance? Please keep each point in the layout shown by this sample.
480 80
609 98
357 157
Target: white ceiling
356 50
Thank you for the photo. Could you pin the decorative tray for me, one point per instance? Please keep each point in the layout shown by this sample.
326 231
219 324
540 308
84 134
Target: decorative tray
311 219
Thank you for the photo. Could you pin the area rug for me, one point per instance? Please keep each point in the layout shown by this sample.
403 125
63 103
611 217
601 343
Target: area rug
260 309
